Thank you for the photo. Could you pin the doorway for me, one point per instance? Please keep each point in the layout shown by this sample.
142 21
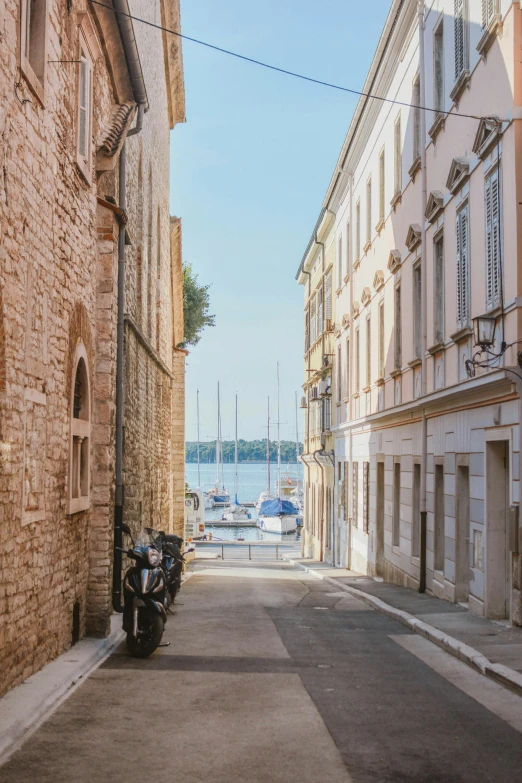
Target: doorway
462 573
379 532
497 551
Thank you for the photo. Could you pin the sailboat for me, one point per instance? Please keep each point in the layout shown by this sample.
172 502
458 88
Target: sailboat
236 512
267 494
278 515
219 494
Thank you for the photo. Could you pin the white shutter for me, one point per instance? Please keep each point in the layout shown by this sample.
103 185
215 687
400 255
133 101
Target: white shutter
462 268
340 262
320 323
313 322
492 241
83 108
459 37
489 9
328 297
307 330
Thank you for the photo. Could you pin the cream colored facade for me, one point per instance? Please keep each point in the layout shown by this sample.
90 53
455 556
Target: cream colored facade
427 238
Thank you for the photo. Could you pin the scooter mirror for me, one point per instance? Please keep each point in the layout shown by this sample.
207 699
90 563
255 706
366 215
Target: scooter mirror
125 528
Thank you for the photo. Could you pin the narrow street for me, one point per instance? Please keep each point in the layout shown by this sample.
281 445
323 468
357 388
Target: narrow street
272 676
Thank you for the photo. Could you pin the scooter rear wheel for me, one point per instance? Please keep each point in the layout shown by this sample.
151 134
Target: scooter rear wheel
151 630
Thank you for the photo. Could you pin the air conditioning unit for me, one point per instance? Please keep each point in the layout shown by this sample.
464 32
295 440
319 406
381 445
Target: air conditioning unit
303 402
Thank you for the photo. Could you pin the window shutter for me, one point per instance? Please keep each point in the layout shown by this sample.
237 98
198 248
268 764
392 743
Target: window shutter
462 268
366 496
368 352
459 38
381 340
307 330
355 491
340 262
489 9
398 155
492 242
328 297
439 291
416 119
320 324
346 489
312 322
381 186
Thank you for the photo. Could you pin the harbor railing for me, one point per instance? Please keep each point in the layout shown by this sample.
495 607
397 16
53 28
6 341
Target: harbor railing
247 550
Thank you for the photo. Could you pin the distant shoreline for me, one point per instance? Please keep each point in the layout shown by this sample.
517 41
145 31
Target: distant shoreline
243 462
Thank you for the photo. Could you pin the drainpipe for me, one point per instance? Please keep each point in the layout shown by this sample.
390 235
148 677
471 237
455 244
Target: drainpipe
307 412
424 425
321 549
118 501
322 403
349 509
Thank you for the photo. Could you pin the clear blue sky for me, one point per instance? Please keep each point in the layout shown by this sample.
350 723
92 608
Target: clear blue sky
249 171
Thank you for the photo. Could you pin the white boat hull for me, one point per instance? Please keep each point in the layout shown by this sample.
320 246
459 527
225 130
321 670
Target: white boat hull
282 524
235 517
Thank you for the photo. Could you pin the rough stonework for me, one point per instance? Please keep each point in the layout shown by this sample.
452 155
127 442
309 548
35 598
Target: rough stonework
59 229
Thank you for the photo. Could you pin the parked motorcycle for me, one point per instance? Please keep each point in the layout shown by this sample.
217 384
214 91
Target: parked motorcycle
150 586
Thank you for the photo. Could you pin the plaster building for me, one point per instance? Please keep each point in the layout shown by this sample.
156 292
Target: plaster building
426 416
87 103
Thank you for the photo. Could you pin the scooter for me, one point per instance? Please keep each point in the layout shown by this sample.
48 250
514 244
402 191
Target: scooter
150 586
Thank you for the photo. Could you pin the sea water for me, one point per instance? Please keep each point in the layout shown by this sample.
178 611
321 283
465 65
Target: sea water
252 480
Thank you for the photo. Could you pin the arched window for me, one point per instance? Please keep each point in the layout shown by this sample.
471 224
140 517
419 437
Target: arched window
80 432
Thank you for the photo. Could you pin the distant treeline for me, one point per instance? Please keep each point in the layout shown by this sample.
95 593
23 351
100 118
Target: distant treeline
247 451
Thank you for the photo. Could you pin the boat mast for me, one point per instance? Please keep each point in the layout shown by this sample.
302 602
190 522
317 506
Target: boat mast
278 441
197 407
217 443
235 459
296 438
268 447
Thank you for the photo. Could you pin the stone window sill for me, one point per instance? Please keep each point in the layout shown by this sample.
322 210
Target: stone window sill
75 505
380 225
460 85
380 381
34 83
396 373
414 168
415 362
396 199
461 334
347 278
490 33
436 348
367 246
356 264
437 126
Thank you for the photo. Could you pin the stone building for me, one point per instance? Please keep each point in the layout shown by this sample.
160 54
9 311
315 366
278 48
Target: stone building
78 85
426 413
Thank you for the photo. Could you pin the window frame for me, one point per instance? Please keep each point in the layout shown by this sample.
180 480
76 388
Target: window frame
397 155
79 430
493 264
439 300
438 67
463 266
36 83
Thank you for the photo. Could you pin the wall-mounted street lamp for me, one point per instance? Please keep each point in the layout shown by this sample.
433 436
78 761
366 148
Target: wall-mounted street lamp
484 331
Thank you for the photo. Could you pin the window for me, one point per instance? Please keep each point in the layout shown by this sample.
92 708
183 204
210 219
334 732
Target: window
79 438
357 362
382 358
84 134
417 295
416 119
33 19
463 268
326 405
461 53
493 271
339 373
438 68
366 496
382 185
438 260
348 249
478 560
346 489
369 211
368 352
438 562
396 518
358 231
489 11
307 330
347 371
328 300
398 328
313 321
355 493
398 155
340 263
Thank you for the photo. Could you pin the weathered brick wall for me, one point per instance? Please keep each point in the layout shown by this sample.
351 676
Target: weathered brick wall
48 301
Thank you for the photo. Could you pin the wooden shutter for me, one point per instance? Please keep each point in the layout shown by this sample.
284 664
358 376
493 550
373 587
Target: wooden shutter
462 268
398 155
416 119
320 315
417 295
358 231
398 328
460 41
357 362
340 262
366 496
492 241
381 186
489 9
307 330
439 290
368 352
313 322
346 488
438 42
328 297
369 211
83 107
381 340
339 374
348 369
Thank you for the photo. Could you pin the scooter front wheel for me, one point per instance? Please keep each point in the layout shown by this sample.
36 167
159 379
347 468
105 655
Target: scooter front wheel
150 631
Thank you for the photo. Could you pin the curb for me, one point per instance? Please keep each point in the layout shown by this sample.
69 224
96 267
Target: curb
28 705
495 671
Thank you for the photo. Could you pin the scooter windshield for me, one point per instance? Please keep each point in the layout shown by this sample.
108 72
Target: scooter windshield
148 537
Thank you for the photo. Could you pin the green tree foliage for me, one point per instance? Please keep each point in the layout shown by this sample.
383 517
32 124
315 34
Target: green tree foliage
247 451
196 304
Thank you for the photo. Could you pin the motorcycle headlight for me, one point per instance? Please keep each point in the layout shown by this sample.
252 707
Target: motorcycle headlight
154 556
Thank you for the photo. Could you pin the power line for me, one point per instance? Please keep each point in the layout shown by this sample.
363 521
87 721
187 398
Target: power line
284 70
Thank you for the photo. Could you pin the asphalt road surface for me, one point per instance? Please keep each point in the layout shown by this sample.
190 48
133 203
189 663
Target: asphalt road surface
273 676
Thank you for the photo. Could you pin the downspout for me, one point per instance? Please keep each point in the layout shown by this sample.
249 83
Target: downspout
321 547
424 264
307 417
349 510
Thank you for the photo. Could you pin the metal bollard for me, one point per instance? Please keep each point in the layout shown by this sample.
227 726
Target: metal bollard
222 551
249 552
277 551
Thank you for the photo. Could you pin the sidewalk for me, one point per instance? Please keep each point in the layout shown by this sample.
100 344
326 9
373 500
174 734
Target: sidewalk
491 647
